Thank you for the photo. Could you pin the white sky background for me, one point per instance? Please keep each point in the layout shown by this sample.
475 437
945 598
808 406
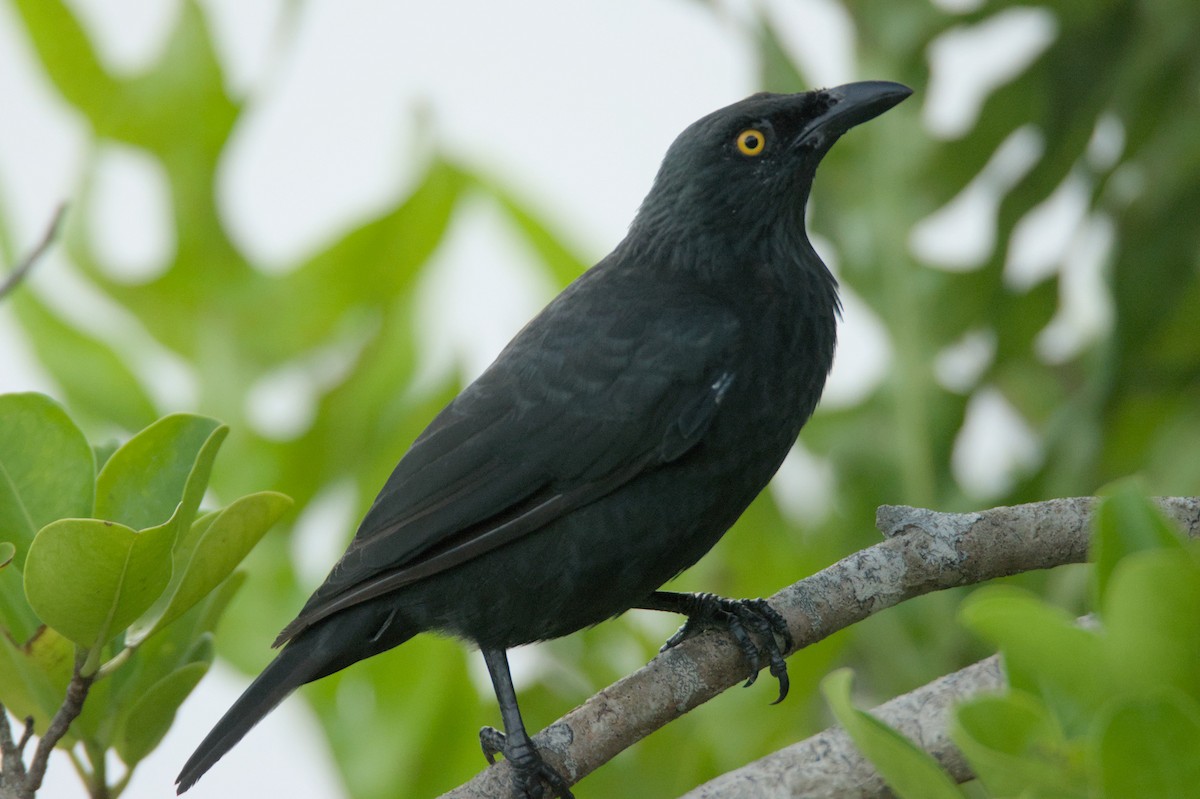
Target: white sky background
573 104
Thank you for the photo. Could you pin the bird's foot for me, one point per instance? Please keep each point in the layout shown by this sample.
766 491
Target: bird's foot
530 772
741 617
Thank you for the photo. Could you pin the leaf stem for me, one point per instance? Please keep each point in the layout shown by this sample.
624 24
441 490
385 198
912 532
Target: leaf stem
114 663
98 784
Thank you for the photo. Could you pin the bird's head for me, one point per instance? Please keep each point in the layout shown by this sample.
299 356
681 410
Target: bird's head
747 168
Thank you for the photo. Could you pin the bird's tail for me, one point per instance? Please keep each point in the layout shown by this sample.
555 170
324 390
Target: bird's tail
317 652
287 672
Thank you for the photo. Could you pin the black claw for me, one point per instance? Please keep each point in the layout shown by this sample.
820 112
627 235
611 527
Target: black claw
532 779
741 617
544 775
779 672
491 740
689 628
747 645
530 773
776 621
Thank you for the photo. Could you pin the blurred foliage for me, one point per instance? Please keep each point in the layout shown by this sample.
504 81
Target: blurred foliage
1108 709
1129 400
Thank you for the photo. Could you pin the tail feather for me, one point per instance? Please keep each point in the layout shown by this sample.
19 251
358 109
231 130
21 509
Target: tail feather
291 669
318 651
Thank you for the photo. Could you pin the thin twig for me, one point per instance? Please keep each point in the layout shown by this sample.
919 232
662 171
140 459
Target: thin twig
72 706
925 551
85 774
18 274
25 736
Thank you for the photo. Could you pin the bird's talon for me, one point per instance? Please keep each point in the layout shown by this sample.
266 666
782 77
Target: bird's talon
688 629
741 617
491 740
548 776
674 641
776 621
530 772
533 776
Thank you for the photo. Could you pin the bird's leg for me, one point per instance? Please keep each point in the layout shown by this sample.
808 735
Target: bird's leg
529 770
738 616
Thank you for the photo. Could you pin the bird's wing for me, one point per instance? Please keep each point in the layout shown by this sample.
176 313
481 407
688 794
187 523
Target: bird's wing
581 401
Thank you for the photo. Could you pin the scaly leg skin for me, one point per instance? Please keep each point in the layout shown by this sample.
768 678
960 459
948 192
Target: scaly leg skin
531 773
740 617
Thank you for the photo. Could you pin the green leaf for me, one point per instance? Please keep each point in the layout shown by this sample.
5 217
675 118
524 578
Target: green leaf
206 615
1147 748
34 677
93 376
1152 621
168 463
67 54
209 552
179 107
387 253
46 472
1045 652
563 264
1016 749
46 468
1126 522
908 770
777 72
88 579
17 619
104 451
151 715
188 640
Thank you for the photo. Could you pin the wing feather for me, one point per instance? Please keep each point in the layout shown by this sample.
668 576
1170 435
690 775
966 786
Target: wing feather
585 398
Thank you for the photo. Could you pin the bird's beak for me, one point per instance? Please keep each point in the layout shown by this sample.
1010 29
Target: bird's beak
849 105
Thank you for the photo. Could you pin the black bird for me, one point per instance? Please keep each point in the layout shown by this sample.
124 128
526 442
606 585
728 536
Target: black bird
613 441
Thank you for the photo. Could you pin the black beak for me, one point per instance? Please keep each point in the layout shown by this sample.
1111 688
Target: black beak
849 105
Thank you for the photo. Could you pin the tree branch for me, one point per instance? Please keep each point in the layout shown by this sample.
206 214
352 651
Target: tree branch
22 269
12 767
829 766
924 551
72 706
17 782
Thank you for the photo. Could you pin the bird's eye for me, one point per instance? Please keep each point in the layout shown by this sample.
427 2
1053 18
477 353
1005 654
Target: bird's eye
751 142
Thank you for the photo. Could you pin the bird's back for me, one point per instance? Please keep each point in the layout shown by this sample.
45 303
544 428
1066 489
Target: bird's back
611 553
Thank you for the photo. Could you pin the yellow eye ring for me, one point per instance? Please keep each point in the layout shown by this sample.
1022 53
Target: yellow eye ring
751 141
